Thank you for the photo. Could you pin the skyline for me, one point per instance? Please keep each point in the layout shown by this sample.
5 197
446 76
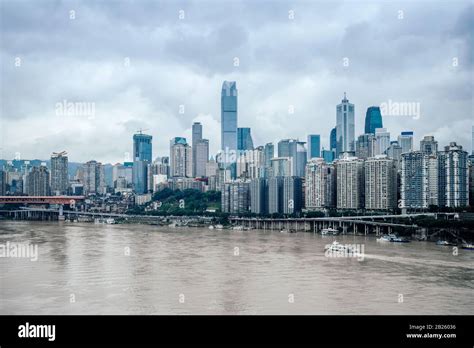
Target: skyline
144 73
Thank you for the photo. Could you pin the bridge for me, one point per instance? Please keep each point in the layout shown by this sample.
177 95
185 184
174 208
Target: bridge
41 199
317 224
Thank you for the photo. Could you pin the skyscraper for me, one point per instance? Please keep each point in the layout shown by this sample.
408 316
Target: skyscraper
405 140
314 146
3 183
350 183
37 181
235 197
269 154
453 184
229 116
59 173
365 146
333 140
181 158
282 166
258 196
295 150
200 157
142 147
94 177
382 141
292 194
373 120
345 127
142 156
394 152
275 195
419 180
197 136
320 185
380 183
328 155
244 139
428 145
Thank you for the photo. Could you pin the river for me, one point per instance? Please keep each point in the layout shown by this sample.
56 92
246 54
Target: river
85 268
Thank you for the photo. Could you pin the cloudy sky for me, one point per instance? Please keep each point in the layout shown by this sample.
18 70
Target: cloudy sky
137 62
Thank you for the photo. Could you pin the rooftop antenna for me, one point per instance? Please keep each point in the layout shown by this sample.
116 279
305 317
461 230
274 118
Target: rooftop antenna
140 131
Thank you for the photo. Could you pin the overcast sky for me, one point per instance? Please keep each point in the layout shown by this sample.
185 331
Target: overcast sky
137 62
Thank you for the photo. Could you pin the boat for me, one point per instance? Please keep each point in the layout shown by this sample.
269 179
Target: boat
211 227
329 231
468 246
110 221
238 228
285 231
219 227
444 242
384 238
396 239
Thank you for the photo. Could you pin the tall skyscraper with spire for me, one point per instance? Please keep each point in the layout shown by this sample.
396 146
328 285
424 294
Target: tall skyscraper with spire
345 127
229 116
373 120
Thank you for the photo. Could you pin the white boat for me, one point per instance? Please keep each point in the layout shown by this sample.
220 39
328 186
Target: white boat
444 243
211 227
219 227
468 246
384 238
110 221
238 228
329 231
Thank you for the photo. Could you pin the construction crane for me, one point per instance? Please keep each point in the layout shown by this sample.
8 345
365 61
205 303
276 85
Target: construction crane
140 131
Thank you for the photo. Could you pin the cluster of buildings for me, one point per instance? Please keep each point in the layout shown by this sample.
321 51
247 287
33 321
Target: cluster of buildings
371 172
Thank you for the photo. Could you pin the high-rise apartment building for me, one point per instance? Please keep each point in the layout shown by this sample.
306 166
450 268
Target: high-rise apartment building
93 178
37 181
258 196
382 141
419 180
181 158
405 140
320 185
365 146
236 197
453 177
428 145
201 153
380 183
59 174
350 183
292 194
